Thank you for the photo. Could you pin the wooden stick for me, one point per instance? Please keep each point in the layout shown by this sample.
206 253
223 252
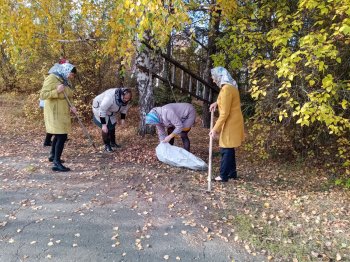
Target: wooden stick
86 133
210 151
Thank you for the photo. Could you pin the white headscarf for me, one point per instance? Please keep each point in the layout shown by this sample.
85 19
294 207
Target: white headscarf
221 76
62 71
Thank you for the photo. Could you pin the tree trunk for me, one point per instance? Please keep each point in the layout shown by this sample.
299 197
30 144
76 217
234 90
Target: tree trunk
166 67
212 35
145 87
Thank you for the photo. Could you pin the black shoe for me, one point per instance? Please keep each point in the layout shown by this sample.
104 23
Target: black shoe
115 145
59 167
51 159
49 143
108 148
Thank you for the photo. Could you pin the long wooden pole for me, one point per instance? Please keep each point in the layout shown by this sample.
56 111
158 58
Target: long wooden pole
210 151
86 133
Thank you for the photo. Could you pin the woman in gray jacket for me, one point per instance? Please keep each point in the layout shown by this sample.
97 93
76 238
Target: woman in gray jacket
105 106
177 118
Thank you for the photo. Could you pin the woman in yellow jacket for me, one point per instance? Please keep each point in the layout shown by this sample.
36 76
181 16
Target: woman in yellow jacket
229 124
57 118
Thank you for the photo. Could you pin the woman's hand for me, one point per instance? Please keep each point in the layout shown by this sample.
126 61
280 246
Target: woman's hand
60 88
104 128
167 139
73 110
213 106
213 134
122 122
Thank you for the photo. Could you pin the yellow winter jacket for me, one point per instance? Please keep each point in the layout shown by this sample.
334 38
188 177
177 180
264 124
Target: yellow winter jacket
230 123
56 110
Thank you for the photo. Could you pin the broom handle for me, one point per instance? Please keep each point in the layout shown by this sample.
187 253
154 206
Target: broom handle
210 151
86 133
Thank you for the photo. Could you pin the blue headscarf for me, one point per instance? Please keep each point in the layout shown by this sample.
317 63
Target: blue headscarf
62 71
152 119
221 76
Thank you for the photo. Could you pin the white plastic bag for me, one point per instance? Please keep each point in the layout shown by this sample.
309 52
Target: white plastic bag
179 157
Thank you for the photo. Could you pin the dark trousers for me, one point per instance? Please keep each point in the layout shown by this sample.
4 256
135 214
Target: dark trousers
57 147
184 137
108 138
228 164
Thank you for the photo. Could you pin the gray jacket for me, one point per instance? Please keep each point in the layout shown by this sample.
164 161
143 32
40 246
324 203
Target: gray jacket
105 105
178 115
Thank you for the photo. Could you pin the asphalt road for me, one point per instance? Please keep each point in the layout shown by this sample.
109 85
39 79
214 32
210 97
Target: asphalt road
98 212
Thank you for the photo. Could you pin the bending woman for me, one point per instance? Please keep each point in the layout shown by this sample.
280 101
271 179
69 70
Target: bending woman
105 107
172 120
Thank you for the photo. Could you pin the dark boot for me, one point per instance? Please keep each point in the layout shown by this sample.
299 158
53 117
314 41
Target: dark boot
107 142
59 167
52 152
185 140
108 148
51 158
47 141
111 135
56 152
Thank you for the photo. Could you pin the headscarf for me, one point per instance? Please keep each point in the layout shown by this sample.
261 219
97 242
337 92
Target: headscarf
119 94
152 119
62 71
54 68
221 76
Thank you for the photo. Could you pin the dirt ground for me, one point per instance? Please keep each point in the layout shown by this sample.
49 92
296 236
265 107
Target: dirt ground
281 211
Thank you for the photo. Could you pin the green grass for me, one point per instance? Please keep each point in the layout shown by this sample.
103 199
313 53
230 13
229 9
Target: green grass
277 241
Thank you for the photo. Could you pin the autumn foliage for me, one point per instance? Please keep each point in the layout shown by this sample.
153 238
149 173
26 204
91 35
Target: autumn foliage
294 55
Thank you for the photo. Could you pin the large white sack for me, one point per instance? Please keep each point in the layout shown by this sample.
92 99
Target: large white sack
179 157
